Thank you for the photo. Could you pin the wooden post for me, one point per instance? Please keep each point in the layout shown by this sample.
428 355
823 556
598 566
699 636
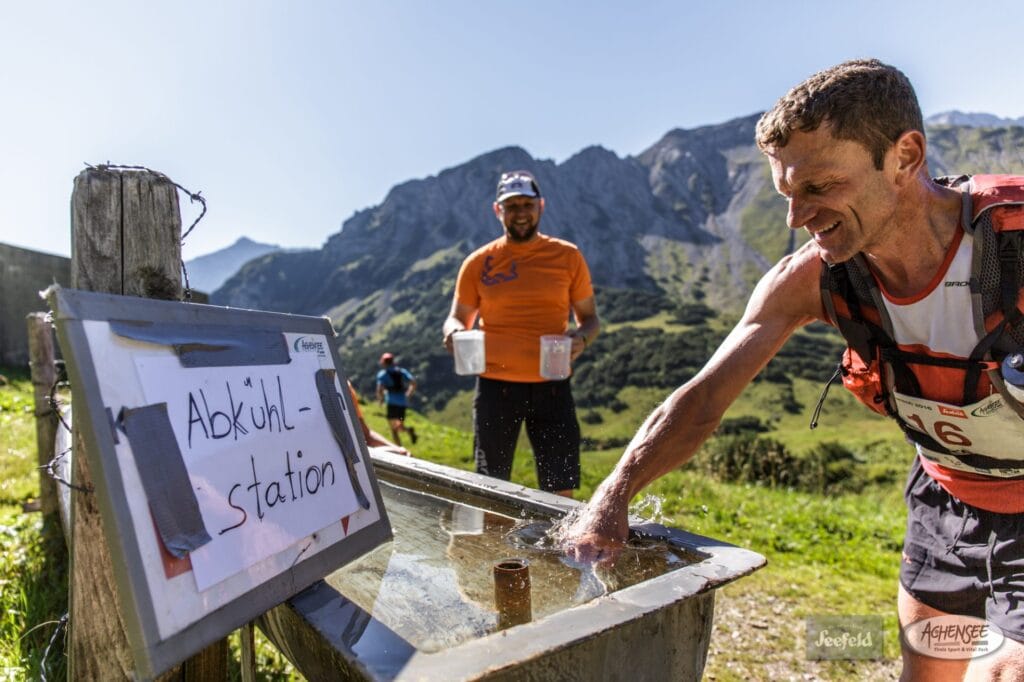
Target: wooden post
126 239
247 638
126 234
44 376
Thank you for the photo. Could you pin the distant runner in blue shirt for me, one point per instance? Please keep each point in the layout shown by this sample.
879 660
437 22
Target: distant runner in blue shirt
397 384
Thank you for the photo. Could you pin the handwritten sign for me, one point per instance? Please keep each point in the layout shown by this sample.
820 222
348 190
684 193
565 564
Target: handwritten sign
227 477
264 466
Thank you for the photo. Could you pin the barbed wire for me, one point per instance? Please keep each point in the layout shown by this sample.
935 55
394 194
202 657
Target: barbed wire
50 468
51 471
192 196
61 625
53 402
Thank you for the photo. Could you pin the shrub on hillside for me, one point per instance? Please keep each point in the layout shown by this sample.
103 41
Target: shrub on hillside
811 355
829 468
749 459
628 305
693 313
733 426
639 357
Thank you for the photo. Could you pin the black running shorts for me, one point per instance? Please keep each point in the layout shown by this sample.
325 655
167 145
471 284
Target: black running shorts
499 410
961 559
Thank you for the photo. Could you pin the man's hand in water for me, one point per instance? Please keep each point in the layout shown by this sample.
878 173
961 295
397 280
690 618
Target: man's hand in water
600 532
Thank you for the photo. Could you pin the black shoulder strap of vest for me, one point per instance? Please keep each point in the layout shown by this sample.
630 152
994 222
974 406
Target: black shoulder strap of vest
869 340
397 380
1010 252
855 330
872 343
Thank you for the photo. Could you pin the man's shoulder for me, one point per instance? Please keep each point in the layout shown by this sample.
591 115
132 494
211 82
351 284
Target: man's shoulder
792 286
802 266
488 248
560 248
559 243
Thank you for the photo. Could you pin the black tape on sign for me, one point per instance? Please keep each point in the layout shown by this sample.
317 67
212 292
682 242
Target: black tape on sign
113 426
330 401
165 479
210 345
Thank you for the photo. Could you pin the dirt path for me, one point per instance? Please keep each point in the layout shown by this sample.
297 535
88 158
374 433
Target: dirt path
757 638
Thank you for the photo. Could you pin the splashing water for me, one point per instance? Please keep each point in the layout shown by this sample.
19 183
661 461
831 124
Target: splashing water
558 533
550 537
639 555
650 509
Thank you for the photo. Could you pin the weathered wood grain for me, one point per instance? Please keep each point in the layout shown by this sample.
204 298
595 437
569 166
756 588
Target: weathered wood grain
126 231
97 646
96 262
44 376
151 237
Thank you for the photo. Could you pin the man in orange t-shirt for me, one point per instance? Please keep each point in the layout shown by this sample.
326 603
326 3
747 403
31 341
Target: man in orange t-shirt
522 286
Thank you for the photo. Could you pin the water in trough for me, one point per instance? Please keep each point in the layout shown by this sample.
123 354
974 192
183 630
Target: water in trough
434 586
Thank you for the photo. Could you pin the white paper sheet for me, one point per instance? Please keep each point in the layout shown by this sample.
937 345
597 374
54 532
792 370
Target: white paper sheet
264 465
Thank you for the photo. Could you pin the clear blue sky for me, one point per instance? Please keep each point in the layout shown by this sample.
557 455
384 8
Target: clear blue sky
290 116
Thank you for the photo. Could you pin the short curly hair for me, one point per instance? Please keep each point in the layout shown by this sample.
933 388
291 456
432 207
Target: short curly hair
863 100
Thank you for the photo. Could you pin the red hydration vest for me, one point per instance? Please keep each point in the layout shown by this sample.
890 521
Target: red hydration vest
874 367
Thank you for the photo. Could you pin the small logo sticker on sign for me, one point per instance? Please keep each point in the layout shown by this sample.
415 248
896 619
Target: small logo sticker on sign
307 344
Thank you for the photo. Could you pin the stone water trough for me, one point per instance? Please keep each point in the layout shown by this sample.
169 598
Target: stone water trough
422 607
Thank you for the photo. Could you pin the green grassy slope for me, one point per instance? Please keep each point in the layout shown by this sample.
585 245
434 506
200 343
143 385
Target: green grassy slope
827 554
33 562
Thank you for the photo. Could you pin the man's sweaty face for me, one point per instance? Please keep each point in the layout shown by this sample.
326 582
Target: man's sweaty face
834 192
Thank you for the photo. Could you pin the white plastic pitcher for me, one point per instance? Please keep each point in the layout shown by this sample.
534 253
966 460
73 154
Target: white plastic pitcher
469 352
555 353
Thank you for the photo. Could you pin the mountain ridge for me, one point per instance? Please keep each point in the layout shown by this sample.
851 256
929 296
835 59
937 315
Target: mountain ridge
972 119
694 215
208 272
623 213
686 227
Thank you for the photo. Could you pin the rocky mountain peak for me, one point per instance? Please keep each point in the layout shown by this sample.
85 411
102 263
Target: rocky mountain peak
693 216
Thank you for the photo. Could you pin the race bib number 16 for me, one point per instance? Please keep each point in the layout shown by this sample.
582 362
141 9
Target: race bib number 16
988 427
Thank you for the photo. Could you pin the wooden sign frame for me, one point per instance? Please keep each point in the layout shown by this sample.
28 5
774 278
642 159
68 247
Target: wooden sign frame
120 352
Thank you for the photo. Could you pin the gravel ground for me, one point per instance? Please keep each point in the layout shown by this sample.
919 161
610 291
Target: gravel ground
755 638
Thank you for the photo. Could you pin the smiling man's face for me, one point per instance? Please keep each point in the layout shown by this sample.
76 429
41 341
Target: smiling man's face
521 216
835 192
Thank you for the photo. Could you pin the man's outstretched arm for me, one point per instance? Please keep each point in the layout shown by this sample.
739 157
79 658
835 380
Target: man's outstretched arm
786 298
